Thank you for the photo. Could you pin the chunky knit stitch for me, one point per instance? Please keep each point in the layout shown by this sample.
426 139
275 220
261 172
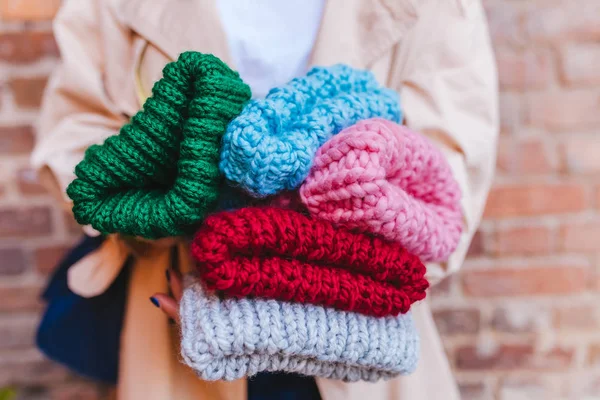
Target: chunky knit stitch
382 178
232 338
159 176
271 145
284 255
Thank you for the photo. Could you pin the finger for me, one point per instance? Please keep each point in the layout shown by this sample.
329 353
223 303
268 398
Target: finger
167 304
176 283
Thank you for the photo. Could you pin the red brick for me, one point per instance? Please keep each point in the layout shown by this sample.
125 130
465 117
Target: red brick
28 182
521 319
513 357
581 154
580 236
597 197
72 226
513 388
46 258
505 158
565 110
506 281
25 222
17 333
522 71
535 157
531 200
595 284
472 391
443 288
476 248
25 373
28 10
12 261
511 112
563 21
582 317
28 92
16 139
20 298
594 354
580 63
32 392
457 321
505 23
77 391
522 240
27 46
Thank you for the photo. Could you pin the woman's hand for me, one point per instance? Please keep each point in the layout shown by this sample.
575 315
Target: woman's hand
169 304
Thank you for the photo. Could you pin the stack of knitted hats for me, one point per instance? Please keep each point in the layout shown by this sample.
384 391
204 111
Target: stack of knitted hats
332 207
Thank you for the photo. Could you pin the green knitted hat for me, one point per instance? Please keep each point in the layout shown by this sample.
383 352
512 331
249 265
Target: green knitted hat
160 175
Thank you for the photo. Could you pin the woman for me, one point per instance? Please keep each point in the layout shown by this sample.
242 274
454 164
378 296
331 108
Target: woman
436 53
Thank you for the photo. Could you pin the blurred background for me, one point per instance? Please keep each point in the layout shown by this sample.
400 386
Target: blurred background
521 320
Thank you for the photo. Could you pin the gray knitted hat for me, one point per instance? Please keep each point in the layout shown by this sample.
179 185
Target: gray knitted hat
232 338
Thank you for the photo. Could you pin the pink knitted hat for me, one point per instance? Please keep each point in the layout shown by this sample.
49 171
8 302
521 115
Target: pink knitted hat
380 177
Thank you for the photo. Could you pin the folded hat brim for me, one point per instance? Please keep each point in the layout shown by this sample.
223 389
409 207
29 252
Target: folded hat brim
282 254
227 339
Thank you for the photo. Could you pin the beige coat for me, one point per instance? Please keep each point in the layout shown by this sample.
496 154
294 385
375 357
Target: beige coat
436 53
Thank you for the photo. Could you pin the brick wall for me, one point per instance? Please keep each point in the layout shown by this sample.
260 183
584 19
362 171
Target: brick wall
521 321
34 231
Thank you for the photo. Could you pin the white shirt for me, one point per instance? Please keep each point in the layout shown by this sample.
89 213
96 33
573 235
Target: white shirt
270 40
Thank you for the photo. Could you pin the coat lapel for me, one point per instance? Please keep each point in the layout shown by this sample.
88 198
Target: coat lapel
175 26
357 32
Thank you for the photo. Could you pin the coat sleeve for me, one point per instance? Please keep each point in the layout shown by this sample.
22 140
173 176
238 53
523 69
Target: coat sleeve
449 93
76 111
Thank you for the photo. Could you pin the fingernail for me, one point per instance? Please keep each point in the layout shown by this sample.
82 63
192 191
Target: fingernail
154 301
168 273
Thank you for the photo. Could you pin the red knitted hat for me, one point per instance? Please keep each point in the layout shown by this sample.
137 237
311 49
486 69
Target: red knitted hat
284 255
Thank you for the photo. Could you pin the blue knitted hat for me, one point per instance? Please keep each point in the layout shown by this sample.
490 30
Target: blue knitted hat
270 146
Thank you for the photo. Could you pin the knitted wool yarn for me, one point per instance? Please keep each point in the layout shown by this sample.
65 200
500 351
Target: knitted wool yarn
232 338
284 255
270 146
382 178
159 176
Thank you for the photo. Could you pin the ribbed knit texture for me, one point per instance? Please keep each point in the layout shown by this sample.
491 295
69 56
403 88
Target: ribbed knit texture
271 145
281 254
159 176
232 338
383 178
